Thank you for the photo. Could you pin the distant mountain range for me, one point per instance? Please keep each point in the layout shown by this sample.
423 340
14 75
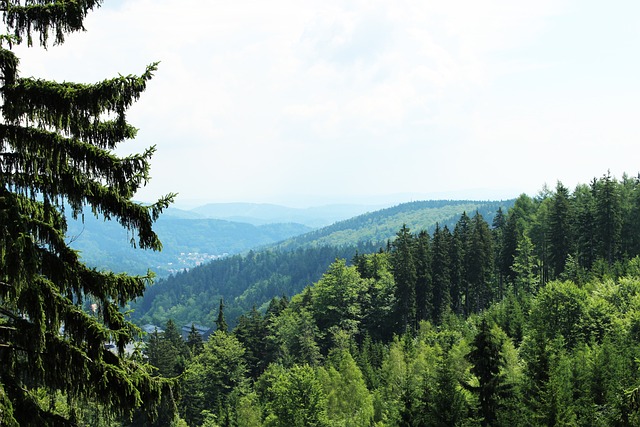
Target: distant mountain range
196 236
265 213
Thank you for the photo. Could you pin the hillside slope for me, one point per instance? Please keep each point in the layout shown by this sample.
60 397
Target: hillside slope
186 243
379 226
286 268
265 213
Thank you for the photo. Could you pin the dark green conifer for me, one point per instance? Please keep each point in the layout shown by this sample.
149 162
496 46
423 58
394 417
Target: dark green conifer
56 153
608 218
487 361
221 324
424 288
560 240
441 269
405 275
479 266
194 341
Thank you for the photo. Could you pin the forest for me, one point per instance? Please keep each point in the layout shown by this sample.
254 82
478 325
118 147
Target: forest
287 267
530 320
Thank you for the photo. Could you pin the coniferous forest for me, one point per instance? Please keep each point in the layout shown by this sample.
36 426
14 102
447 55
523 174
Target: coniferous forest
530 319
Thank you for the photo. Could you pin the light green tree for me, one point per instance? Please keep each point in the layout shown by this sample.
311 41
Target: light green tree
336 299
297 399
524 267
349 403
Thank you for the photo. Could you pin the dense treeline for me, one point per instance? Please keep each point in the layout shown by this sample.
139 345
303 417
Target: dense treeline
479 325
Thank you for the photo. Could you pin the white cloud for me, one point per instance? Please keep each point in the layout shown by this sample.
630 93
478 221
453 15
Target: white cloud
254 99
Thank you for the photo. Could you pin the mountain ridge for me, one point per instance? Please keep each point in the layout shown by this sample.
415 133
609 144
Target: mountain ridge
286 267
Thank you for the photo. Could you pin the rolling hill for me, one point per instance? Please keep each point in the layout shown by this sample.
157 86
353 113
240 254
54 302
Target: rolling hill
287 267
187 242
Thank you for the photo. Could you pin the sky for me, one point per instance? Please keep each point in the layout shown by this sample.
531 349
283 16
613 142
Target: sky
304 103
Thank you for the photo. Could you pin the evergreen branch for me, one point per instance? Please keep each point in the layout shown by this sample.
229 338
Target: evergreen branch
59 105
8 66
59 17
36 151
27 409
78 190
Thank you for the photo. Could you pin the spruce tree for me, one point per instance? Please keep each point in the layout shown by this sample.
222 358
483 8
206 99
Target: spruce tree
221 324
560 240
57 144
441 273
405 275
608 218
424 289
479 266
487 361
584 224
194 341
497 229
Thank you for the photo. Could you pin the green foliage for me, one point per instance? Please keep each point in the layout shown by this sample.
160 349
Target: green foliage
349 402
336 299
405 275
382 225
296 399
559 310
57 143
221 323
286 269
511 347
295 335
488 362
194 341
241 280
524 267
212 376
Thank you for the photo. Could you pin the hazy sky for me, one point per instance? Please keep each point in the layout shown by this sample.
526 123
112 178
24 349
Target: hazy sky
308 102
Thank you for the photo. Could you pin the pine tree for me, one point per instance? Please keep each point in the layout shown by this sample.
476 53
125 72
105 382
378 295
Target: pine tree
497 229
56 153
608 216
252 333
584 225
162 354
424 289
524 264
221 324
460 286
488 362
441 249
405 275
479 266
518 219
559 230
194 341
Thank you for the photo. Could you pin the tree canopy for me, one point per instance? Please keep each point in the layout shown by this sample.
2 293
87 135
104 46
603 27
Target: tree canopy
57 144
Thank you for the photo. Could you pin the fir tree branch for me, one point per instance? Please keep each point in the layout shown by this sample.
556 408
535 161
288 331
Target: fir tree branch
59 17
